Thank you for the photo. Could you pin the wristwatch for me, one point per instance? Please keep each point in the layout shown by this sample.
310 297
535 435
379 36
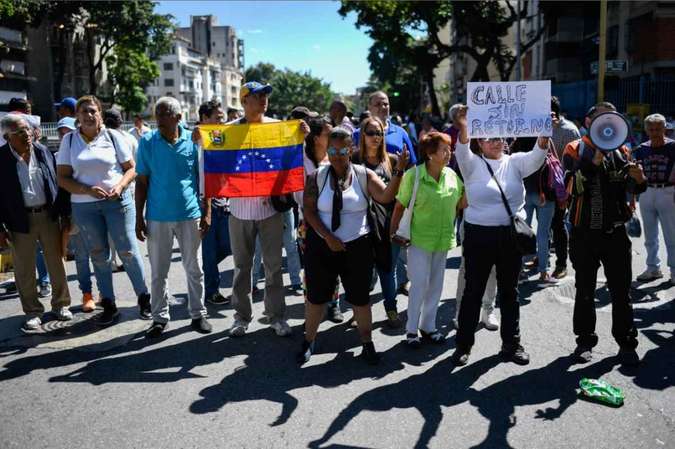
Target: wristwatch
397 172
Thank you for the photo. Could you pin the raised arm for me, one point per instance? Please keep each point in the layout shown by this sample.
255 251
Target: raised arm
386 194
531 161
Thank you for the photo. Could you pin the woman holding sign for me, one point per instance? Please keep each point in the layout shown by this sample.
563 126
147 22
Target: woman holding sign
489 240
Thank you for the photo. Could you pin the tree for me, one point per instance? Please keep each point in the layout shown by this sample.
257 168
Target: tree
291 89
130 36
130 72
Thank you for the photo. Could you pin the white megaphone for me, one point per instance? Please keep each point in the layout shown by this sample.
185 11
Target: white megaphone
608 131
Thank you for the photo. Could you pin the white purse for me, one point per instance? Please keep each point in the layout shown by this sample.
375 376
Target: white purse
403 231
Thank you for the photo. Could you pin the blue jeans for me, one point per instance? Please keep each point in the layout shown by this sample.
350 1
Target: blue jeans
79 247
545 214
43 275
388 280
215 248
118 218
656 208
291 247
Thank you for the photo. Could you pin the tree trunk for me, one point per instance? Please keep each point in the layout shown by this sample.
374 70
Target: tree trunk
92 67
429 79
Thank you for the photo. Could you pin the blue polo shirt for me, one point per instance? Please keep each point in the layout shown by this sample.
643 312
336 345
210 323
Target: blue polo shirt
395 137
173 176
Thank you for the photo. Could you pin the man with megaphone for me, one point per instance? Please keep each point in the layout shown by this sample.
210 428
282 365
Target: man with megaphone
599 175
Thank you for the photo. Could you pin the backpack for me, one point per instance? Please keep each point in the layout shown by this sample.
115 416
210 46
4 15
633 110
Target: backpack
555 181
377 217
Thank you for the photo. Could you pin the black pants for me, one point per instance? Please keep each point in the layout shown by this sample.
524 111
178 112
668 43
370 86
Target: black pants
485 247
588 249
560 238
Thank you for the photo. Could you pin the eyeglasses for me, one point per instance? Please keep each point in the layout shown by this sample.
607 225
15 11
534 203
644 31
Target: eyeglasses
20 132
374 133
493 140
341 152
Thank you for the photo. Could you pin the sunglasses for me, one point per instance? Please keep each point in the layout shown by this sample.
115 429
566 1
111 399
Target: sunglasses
374 133
342 151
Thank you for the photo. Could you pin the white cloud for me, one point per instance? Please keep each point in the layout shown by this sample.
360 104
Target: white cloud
255 31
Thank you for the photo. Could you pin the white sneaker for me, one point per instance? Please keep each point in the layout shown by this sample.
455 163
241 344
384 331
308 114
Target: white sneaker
489 320
281 328
32 324
239 328
45 290
63 314
650 275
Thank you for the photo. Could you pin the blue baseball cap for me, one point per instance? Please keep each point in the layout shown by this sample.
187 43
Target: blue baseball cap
68 102
254 87
66 122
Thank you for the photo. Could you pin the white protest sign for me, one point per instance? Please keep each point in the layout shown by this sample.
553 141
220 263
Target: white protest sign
509 109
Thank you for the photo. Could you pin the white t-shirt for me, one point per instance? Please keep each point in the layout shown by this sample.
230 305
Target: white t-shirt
486 207
96 163
354 213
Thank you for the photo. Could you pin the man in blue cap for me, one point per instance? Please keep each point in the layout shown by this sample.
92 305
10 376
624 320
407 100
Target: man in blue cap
66 108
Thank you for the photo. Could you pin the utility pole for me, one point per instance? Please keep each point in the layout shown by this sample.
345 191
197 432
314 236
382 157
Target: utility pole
518 55
602 50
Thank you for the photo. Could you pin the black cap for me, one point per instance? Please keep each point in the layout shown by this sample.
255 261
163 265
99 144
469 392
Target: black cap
302 112
18 104
112 118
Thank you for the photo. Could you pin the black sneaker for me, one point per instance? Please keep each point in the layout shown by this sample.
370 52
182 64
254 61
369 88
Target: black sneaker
156 330
413 341
628 357
201 325
369 354
461 356
582 354
334 314
515 354
144 309
109 313
306 352
217 299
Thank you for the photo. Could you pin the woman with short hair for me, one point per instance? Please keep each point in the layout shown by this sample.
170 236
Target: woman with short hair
336 206
95 165
439 195
488 236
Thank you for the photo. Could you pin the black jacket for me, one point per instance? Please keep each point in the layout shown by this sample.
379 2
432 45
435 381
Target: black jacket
13 215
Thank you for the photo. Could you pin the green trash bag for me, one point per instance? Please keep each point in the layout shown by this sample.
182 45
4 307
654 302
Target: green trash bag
601 391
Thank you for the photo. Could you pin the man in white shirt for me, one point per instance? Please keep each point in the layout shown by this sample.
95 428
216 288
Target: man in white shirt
139 128
252 217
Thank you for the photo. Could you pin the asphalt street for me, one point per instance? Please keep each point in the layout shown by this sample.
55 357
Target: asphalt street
78 386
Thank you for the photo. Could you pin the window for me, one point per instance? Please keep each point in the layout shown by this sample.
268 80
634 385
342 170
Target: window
168 66
168 82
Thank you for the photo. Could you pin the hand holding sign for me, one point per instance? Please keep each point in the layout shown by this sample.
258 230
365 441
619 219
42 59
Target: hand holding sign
509 109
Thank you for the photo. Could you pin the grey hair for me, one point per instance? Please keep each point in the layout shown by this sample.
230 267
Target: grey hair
169 103
454 109
655 118
11 121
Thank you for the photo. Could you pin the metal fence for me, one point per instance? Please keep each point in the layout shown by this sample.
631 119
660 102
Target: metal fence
577 97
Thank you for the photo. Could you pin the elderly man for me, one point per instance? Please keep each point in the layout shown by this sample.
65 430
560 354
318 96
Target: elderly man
168 181
395 136
251 218
657 157
32 209
601 182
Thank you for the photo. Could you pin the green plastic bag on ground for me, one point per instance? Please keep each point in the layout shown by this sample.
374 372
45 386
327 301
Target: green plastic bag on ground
601 391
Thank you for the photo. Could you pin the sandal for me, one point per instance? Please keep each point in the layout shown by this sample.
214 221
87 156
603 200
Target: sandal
434 337
413 340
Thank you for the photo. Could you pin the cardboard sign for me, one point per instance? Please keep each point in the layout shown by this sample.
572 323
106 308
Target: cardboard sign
509 109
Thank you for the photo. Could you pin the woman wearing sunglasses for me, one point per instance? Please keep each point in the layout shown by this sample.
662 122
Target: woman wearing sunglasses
488 238
336 207
373 155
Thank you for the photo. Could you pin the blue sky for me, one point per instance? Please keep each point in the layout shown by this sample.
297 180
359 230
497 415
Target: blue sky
300 35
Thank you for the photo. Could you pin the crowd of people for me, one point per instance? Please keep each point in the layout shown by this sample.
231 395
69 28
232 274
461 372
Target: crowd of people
380 202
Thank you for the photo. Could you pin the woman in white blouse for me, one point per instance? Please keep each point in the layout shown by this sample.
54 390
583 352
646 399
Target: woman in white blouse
95 165
488 240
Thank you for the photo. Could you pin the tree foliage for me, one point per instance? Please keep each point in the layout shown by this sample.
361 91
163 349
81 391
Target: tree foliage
291 89
130 36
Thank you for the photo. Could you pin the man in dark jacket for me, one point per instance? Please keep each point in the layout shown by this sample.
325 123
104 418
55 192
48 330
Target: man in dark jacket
599 182
32 209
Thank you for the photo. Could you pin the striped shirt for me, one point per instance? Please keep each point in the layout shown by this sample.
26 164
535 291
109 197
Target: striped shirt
563 134
252 208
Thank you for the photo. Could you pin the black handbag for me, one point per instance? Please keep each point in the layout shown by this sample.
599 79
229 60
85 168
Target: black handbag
523 235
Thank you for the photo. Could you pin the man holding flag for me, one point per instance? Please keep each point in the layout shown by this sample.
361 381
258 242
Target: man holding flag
248 164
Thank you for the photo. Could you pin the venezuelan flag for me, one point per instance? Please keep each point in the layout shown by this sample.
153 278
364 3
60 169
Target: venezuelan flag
257 159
